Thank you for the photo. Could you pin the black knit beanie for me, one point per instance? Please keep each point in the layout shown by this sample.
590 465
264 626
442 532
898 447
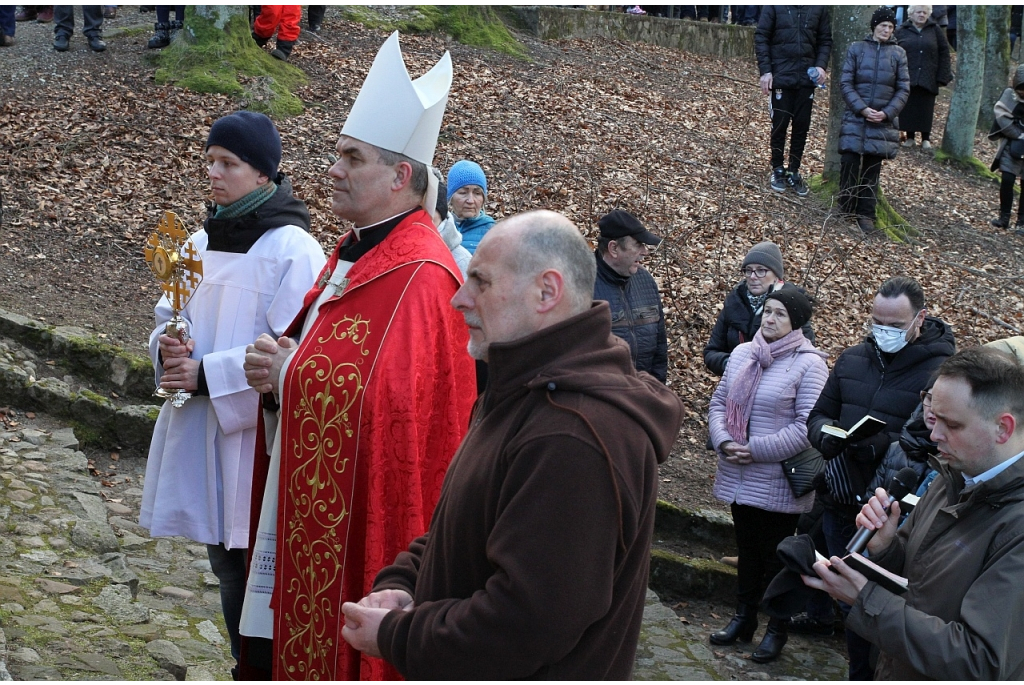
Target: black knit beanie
883 14
251 136
797 304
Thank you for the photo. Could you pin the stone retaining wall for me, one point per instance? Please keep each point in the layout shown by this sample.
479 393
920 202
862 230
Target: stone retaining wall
726 41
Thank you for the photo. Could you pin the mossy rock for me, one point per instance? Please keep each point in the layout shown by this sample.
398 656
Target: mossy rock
208 59
675 576
477 25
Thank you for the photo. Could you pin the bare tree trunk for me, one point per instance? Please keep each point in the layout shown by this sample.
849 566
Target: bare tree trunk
958 138
997 61
850 23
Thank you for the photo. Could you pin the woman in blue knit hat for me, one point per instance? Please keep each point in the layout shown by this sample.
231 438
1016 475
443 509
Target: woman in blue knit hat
467 193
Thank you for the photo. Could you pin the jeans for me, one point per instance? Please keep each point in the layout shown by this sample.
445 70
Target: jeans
7 22
839 528
163 13
64 20
229 567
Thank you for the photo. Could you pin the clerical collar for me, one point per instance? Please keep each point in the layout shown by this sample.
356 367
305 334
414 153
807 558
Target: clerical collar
369 237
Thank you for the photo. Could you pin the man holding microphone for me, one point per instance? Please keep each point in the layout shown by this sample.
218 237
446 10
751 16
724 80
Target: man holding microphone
962 548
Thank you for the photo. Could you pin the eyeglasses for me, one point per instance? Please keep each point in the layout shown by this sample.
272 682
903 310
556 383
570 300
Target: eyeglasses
760 273
926 399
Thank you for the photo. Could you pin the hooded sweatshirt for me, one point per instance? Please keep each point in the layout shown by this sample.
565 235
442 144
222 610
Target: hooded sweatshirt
536 562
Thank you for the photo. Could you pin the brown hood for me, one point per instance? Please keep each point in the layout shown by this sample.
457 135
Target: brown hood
596 364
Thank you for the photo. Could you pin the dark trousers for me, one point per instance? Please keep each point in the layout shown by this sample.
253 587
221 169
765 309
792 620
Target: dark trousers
1006 197
858 183
790 106
839 527
315 15
7 22
758 533
229 566
64 20
163 13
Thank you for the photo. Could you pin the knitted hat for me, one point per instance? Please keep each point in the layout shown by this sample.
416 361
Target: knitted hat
797 304
619 223
767 253
883 14
465 173
252 137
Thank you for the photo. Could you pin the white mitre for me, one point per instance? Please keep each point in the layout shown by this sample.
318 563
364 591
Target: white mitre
396 113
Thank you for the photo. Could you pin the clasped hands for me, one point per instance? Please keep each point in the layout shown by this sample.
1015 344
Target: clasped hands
834 576
875 116
362 619
181 372
264 360
738 454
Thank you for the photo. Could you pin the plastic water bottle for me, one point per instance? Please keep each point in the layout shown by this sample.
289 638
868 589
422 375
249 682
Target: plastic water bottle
812 73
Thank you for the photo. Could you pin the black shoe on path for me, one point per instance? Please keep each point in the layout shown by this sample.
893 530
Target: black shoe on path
60 42
96 45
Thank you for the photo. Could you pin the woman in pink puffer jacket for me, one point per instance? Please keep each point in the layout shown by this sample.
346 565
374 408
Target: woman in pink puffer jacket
757 418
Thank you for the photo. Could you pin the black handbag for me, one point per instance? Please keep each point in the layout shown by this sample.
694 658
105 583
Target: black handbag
1015 148
804 471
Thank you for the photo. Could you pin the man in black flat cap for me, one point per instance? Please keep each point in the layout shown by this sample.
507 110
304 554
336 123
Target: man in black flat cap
631 291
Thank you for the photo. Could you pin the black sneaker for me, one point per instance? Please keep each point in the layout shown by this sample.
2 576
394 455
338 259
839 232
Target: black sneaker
805 625
779 180
96 44
796 182
1019 228
1002 221
60 42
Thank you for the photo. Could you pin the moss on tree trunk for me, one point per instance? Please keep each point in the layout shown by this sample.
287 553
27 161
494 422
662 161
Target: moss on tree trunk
215 53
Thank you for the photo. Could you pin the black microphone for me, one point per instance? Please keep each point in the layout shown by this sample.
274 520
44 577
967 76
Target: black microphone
901 485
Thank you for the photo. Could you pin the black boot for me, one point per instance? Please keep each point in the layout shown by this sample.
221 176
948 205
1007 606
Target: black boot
741 627
259 41
161 36
1002 221
283 49
773 641
175 27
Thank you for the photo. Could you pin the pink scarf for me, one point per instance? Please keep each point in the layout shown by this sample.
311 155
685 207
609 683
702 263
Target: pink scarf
743 386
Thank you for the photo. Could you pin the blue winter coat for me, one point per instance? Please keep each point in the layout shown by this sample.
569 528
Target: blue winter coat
473 230
874 75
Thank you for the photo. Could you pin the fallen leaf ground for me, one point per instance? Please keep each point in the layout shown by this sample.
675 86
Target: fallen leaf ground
92 152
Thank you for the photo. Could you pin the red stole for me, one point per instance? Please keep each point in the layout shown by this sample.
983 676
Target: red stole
374 403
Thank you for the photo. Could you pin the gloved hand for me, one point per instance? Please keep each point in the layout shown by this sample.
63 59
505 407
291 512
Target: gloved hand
831 446
869 450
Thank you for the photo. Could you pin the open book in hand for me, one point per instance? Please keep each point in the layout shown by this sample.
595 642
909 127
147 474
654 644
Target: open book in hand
872 571
864 428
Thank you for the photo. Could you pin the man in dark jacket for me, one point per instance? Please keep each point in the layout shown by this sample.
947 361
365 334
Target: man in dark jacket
882 376
536 562
630 290
789 41
962 548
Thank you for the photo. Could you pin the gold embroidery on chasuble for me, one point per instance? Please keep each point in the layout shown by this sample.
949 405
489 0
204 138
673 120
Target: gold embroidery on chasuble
328 383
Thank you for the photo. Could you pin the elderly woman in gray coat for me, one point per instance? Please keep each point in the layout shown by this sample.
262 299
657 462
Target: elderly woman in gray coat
875 84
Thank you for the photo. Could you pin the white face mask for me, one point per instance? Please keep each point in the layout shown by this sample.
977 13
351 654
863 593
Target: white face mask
889 338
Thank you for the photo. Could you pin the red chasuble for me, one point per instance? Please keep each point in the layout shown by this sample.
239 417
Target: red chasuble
374 404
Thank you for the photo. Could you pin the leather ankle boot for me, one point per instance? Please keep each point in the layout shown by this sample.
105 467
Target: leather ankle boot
741 627
774 640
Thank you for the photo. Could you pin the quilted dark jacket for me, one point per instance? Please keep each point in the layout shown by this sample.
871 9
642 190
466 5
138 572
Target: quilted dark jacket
789 40
863 382
737 323
927 55
637 316
874 75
